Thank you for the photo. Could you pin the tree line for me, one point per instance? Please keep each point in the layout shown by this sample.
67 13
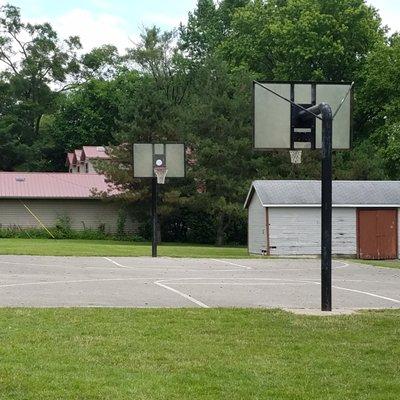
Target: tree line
193 84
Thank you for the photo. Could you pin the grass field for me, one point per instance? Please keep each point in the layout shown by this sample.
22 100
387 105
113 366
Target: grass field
197 354
69 247
381 263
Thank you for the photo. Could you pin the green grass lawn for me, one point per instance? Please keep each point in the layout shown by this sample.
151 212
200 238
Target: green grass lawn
69 247
197 354
380 263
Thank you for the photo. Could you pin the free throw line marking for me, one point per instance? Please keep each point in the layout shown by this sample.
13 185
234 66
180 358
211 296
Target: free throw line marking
184 295
162 269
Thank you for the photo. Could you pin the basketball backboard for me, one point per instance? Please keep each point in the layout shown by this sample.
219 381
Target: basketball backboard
147 156
275 123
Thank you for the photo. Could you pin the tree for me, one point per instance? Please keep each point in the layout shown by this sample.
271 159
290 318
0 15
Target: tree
217 120
378 104
34 64
149 100
207 27
86 115
303 39
34 61
102 63
11 149
39 69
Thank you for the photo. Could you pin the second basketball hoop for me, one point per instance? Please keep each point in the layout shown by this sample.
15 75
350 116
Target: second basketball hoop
158 161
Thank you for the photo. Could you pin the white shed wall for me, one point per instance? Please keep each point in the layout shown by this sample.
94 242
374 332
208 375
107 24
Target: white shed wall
82 213
296 231
257 235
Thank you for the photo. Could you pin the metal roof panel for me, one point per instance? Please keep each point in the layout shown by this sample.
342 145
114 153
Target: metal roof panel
278 193
52 185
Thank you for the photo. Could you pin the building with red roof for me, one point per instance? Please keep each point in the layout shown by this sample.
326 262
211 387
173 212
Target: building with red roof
82 161
29 197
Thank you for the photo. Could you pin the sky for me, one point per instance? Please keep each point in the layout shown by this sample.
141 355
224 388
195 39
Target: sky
120 22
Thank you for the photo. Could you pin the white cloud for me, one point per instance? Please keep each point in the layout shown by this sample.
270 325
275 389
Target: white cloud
389 11
103 4
94 29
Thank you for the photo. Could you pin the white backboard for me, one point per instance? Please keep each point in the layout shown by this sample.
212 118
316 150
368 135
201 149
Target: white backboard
273 128
144 160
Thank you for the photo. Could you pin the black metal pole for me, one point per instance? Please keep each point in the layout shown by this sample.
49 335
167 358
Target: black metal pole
154 216
326 209
325 111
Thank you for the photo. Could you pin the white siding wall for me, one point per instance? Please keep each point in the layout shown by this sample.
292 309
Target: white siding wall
92 170
298 231
257 237
82 213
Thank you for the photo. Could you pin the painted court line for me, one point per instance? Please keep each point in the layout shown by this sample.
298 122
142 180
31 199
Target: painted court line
166 268
74 281
311 268
231 263
244 283
58 266
115 263
184 295
367 293
362 292
365 281
173 280
344 265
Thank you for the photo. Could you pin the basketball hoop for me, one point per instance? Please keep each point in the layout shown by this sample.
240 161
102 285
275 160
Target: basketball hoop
160 173
295 156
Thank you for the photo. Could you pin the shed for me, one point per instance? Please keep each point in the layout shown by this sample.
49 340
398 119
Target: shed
50 196
284 218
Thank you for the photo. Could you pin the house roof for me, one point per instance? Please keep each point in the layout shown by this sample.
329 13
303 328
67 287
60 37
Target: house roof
95 152
286 193
78 154
52 185
70 159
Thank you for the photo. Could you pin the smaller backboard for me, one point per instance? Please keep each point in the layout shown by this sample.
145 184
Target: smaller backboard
147 156
275 122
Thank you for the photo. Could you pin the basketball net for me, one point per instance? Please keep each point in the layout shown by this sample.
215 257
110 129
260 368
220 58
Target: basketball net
161 173
295 156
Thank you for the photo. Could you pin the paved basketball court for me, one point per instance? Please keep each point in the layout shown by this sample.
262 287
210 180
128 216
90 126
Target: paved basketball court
169 282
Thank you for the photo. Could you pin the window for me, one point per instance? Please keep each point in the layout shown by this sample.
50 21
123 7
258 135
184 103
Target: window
87 167
78 169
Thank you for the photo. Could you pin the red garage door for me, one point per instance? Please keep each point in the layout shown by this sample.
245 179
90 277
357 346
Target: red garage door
377 234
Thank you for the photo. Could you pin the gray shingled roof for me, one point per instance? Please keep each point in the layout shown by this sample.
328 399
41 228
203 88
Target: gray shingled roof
308 193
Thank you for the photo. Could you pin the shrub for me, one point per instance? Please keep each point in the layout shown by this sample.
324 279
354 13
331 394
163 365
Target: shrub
101 229
86 234
121 222
196 226
63 226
